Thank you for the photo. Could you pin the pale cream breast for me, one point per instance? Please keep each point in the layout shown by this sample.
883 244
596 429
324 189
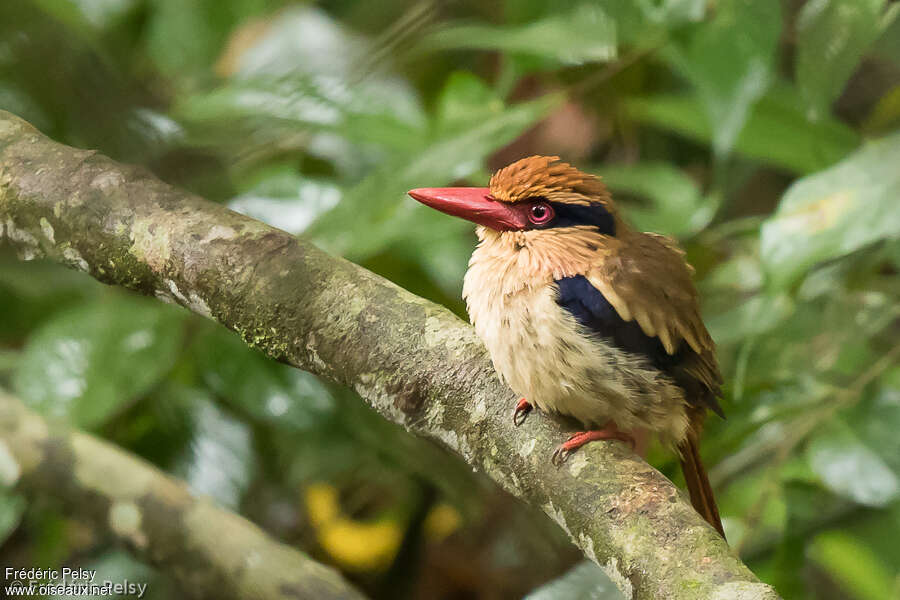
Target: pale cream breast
545 356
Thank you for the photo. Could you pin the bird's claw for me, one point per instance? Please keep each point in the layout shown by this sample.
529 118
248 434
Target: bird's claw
521 413
560 455
579 439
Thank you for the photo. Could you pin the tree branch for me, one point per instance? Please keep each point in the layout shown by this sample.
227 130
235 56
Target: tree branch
211 552
413 361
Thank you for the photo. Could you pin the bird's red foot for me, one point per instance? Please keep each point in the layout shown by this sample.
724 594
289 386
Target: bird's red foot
522 409
577 440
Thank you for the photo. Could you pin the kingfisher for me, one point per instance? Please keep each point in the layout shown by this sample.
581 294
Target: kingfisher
586 317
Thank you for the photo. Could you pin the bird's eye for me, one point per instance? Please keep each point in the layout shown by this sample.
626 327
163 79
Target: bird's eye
541 213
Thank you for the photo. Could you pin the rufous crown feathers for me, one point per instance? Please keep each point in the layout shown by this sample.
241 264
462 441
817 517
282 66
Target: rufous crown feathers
546 177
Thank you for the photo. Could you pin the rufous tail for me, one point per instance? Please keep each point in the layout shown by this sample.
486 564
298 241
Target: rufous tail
698 482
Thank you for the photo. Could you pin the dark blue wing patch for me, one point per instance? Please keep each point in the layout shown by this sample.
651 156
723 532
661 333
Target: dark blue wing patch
591 309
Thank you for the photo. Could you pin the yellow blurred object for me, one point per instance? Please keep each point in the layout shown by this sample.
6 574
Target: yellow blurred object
361 546
356 545
321 503
441 521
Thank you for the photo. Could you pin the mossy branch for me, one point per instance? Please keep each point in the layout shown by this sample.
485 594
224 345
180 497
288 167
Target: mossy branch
210 552
413 361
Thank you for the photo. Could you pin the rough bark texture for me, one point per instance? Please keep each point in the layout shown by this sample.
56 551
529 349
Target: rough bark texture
211 552
413 361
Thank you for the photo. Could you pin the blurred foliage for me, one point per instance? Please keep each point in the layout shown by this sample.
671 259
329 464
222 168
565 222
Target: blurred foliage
764 134
585 581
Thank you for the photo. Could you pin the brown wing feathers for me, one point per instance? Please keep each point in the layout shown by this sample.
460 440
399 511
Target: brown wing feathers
648 281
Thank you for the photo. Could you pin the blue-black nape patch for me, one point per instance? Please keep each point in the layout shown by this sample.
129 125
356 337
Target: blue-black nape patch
569 215
591 309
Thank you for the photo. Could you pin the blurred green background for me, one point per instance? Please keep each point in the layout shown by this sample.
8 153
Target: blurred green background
764 134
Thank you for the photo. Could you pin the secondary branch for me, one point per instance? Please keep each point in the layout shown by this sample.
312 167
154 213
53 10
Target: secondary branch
211 552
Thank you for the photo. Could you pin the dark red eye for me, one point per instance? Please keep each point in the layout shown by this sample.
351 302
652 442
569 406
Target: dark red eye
540 213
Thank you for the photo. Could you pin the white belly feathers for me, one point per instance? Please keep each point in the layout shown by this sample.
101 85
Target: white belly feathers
545 356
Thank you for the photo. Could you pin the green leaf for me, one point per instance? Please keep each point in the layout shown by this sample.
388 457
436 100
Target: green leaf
184 38
220 461
740 498
877 420
850 468
579 35
757 315
740 273
463 102
671 12
445 263
638 23
584 581
885 116
305 40
16 100
298 39
832 36
874 541
887 47
161 426
776 133
676 206
30 292
257 386
283 198
89 18
834 212
831 335
12 507
86 363
306 73
265 109
729 61
854 565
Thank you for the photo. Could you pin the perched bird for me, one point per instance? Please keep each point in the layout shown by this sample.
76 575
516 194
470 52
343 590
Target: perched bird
584 316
